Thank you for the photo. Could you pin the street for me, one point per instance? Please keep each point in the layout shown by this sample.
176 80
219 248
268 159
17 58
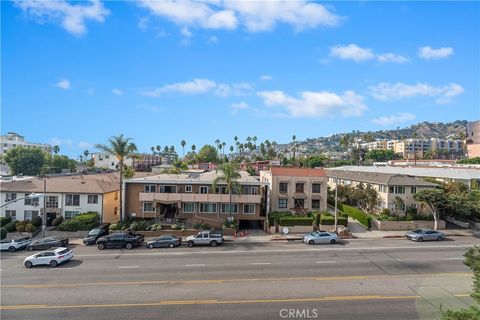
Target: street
360 278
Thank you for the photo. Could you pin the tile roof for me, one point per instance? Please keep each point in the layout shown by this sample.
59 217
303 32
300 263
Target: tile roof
297 172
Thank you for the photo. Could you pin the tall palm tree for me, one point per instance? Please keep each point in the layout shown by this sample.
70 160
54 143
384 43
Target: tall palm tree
86 153
122 148
153 150
229 176
56 149
231 149
183 143
224 144
194 147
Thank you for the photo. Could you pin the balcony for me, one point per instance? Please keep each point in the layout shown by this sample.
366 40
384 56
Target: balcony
197 197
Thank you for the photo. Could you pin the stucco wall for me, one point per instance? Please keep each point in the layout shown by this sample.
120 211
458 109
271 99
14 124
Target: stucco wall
406 225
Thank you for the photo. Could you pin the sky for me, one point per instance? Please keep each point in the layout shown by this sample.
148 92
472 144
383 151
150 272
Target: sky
74 74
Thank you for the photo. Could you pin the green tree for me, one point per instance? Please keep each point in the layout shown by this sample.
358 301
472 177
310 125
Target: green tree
26 161
122 148
86 153
194 147
183 143
475 160
380 155
231 149
229 176
62 162
153 150
435 199
315 161
56 149
128 172
207 153
177 167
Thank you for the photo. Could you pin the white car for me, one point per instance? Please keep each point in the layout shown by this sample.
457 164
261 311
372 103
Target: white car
13 245
321 237
51 257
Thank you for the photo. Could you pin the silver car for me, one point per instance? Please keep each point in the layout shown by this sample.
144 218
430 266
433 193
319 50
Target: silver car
425 235
320 237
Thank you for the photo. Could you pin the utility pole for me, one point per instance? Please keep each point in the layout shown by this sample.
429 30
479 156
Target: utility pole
336 201
44 215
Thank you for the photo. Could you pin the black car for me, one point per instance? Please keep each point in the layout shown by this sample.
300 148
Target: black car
164 242
47 243
96 234
120 240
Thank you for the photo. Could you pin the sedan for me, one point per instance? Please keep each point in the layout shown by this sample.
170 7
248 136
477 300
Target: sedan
13 245
164 242
420 235
47 243
321 237
52 258
96 234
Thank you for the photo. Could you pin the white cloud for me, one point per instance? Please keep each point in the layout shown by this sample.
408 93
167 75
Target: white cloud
392 57
394 119
351 52
116 91
429 53
62 142
394 91
72 17
236 107
212 40
63 84
85 145
254 16
186 32
143 23
316 104
266 77
202 86
236 89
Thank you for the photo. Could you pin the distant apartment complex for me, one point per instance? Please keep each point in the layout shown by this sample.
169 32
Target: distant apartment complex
12 140
473 139
298 190
140 162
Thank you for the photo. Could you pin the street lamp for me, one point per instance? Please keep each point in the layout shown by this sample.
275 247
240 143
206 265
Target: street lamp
336 200
30 196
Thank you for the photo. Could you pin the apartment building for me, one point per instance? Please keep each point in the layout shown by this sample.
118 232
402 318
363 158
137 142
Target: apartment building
473 139
65 196
12 140
191 196
140 162
298 190
389 186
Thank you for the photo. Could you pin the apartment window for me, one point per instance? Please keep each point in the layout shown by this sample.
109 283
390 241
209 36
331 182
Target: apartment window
188 207
208 207
391 189
382 188
316 187
250 190
203 189
282 203
92 199
11 214
168 189
150 188
221 190
11 196
116 195
283 187
413 190
71 214
399 190
115 211
72 200
29 214
52 202
188 188
315 204
148 207
299 187
31 201
225 208
249 208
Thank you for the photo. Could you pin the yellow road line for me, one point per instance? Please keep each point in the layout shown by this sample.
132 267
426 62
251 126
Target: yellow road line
220 281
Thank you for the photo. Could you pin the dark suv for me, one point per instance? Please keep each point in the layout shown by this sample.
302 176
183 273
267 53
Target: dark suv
120 240
96 233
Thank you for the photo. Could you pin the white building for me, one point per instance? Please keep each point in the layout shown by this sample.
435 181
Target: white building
12 140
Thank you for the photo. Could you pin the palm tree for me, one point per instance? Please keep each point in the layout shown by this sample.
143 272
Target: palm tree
294 145
229 176
56 149
86 153
183 143
121 148
159 149
231 149
217 142
224 144
153 150
194 147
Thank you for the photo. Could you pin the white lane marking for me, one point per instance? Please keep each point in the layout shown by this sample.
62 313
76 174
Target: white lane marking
195 265
259 263
326 262
127 267
454 258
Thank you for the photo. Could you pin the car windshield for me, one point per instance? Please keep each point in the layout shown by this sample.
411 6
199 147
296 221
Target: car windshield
94 232
417 231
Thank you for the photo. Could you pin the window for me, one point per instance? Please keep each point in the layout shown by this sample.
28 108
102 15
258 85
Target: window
188 207
115 211
250 190
188 188
116 195
299 203
149 188
315 204
221 190
208 207
399 190
299 187
29 214
72 200
11 196
167 189
71 214
31 201
391 189
413 190
92 199
316 187
11 214
283 187
382 188
225 208
249 208
203 189
52 202
148 207
282 203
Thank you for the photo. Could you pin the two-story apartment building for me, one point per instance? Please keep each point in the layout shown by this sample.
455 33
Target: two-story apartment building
191 196
65 196
297 190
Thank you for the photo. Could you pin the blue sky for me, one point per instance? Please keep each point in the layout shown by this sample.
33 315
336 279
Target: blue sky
76 73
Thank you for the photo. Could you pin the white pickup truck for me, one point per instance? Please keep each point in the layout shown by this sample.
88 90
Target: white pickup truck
205 238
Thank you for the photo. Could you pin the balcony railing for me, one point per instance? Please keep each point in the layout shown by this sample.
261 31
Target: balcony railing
198 197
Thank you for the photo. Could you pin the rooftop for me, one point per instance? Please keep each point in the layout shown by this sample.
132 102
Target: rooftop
297 172
206 177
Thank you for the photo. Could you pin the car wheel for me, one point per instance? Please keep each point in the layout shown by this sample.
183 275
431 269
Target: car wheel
311 242
101 246
150 246
213 243
440 238
171 245
332 241
28 264
190 244
129 246
53 263
12 249
30 248
420 239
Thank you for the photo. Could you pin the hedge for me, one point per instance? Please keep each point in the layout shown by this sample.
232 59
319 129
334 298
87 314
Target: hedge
11 226
357 214
57 221
277 215
84 221
3 233
328 220
295 221
4 221
37 221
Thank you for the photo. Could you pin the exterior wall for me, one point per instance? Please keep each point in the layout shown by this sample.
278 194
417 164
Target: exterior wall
473 132
406 225
473 150
105 160
111 207
12 140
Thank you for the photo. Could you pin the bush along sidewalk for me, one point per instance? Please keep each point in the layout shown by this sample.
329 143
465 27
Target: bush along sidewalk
84 221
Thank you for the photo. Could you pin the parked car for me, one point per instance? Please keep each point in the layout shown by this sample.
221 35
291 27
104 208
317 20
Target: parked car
164 242
205 238
13 245
47 243
96 234
120 240
51 257
420 235
321 237
313 233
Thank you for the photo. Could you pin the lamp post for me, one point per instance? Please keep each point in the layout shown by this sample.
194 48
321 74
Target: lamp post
44 214
30 196
336 201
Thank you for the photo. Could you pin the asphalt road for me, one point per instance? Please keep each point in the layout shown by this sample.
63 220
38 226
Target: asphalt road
358 279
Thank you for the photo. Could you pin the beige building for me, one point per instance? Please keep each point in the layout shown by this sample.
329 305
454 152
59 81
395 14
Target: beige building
191 197
473 139
12 140
298 190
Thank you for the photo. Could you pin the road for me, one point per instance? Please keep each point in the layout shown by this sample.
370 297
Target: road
358 279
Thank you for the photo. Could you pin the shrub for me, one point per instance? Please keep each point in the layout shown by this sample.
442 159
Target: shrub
57 221
140 225
20 226
30 228
84 221
37 221
113 226
295 221
11 226
4 221
276 216
3 233
316 219
201 226
357 214
329 220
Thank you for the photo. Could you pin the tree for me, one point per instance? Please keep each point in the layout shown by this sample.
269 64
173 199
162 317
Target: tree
435 199
194 147
128 172
183 143
177 167
26 161
56 149
86 153
379 155
62 162
207 153
159 149
153 150
231 149
315 161
229 176
345 141
122 148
